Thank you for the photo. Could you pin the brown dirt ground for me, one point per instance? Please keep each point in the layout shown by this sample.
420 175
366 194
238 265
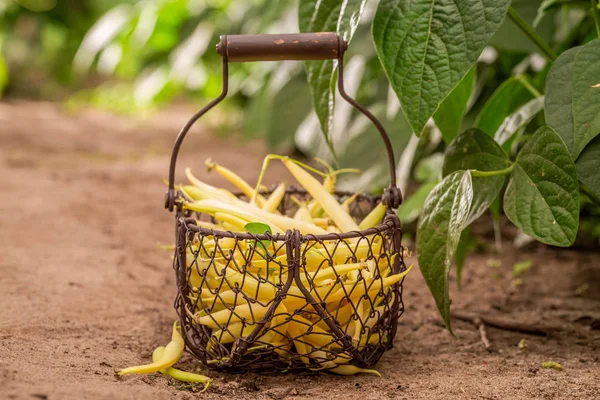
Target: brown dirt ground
86 290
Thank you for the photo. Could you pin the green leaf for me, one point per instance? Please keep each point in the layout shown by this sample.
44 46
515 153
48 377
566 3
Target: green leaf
588 166
586 97
257 228
542 196
517 121
449 115
559 96
411 207
429 169
443 219
473 149
327 16
572 101
289 107
506 100
466 244
510 36
550 5
427 46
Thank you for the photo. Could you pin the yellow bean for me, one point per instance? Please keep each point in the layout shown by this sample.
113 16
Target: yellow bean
353 370
275 199
374 218
250 312
232 333
301 347
179 375
374 286
208 190
333 209
172 354
317 337
235 180
237 223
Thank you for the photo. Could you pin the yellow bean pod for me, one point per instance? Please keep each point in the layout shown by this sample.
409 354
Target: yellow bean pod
171 355
179 375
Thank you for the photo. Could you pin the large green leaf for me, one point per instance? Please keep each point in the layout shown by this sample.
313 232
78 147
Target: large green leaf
427 46
588 166
327 16
542 197
572 103
443 219
509 96
473 149
466 244
449 115
586 97
559 115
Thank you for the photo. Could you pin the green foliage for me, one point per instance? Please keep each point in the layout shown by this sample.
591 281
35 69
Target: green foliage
411 207
442 221
510 161
474 150
588 166
506 100
327 16
579 122
426 47
542 197
515 123
451 112
456 73
466 244
257 228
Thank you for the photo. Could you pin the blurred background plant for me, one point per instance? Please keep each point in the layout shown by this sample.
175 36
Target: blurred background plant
134 56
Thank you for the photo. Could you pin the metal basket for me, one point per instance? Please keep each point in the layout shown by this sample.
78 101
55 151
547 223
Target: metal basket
278 302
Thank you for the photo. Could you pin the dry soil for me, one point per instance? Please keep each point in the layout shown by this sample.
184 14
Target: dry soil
85 288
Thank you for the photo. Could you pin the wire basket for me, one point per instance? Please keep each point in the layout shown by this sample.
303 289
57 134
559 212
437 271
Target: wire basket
280 302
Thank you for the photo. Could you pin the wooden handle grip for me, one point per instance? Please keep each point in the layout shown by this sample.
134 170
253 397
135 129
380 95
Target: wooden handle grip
290 46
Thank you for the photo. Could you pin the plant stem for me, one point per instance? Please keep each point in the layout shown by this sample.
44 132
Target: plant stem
596 15
532 34
528 86
499 172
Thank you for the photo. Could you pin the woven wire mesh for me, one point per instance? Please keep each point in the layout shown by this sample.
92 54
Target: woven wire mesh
289 302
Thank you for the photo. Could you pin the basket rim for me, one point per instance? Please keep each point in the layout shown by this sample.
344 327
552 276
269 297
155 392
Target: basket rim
390 222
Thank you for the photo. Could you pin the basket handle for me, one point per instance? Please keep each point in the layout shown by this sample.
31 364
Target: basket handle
293 46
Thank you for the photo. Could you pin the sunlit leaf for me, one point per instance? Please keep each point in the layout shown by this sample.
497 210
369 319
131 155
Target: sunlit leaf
327 16
517 121
441 223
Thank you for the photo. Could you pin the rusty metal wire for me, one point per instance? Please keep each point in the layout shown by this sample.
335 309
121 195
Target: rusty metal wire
289 301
